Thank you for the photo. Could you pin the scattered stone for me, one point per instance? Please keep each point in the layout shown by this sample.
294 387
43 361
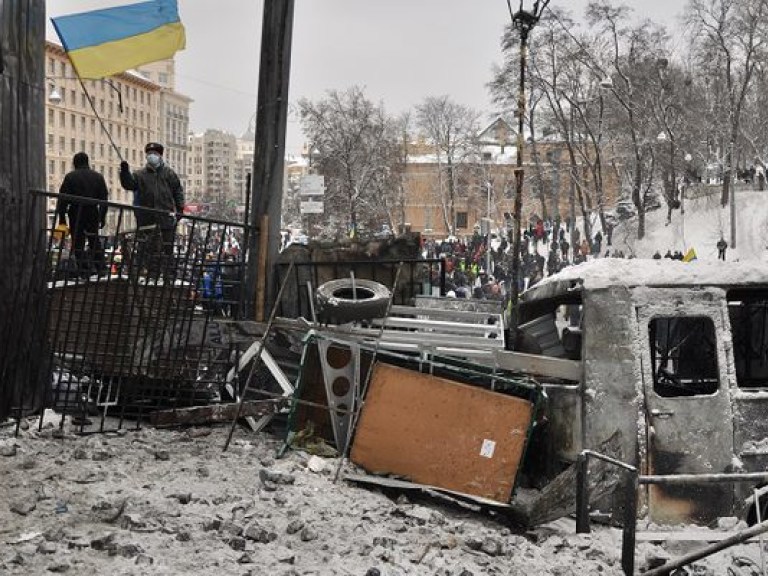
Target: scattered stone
105 542
163 455
130 550
183 536
449 542
308 534
144 560
100 456
198 432
8 450
373 572
184 498
384 542
259 534
213 524
108 512
23 507
57 433
294 526
80 454
46 547
237 544
245 559
28 463
420 514
285 555
59 568
56 534
402 500
18 559
133 522
491 546
466 572
231 528
281 499
267 475
203 472
316 464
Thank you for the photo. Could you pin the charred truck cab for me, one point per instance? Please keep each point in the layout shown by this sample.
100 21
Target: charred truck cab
672 376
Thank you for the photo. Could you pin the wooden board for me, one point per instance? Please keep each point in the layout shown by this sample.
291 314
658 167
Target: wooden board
442 433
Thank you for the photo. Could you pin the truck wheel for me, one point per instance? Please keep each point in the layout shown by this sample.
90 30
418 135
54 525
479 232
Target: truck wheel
337 303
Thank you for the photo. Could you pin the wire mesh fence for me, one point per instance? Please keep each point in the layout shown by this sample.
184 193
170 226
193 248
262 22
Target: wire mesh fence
123 320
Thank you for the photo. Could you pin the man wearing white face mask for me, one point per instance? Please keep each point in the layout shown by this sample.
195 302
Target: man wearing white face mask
156 186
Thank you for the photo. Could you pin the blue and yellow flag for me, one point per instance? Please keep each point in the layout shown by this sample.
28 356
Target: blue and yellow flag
690 256
105 42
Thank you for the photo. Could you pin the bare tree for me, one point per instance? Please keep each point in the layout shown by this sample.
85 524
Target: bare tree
635 51
451 129
357 144
730 41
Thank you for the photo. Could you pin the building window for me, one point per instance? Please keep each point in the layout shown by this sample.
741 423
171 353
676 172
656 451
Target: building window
683 356
461 220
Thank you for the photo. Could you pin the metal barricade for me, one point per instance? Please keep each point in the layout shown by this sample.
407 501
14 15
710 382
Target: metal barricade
128 316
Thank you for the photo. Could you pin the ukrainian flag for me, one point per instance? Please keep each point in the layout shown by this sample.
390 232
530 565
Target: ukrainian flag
105 42
690 256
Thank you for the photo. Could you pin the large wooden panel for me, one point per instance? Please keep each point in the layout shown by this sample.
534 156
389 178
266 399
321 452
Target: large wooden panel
442 433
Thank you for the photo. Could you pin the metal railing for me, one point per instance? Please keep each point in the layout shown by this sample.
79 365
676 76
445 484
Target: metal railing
632 480
122 321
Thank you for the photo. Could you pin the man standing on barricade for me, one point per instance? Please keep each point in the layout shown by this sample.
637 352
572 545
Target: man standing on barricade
84 219
156 186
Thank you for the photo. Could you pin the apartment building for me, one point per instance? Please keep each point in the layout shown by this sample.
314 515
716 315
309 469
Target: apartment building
110 120
213 167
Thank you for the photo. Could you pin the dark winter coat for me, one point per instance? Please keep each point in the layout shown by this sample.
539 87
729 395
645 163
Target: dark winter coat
87 183
158 188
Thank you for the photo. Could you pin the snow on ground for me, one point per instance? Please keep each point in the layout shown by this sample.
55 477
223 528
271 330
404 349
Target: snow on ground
171 502
700 227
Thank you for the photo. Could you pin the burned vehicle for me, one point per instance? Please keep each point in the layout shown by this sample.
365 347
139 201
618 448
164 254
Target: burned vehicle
668 367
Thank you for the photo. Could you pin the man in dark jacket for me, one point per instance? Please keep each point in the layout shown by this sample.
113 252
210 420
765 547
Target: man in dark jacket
156 186
85 219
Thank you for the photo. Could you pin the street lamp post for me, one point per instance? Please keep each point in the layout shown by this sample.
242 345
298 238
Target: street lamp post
524 21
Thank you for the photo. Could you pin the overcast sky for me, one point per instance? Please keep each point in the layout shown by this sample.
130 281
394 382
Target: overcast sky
401 51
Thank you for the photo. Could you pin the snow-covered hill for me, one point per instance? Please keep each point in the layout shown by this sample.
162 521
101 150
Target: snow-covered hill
700 227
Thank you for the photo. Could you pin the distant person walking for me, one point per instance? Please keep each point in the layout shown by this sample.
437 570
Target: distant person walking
722 246
84 219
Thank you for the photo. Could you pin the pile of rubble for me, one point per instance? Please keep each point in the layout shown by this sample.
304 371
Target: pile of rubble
169 502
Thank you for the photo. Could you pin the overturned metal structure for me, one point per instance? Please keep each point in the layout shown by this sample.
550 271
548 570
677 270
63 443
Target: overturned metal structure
673 361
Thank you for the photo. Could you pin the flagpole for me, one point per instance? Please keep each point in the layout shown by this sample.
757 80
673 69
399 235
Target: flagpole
101 122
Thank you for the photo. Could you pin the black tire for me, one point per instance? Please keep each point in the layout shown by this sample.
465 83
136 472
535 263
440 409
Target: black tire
337 304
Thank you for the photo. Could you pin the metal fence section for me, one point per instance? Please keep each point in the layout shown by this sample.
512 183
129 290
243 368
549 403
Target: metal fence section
128 314
418 277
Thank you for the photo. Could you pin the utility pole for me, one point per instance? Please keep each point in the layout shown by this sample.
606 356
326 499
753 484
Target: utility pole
524 21
269 153
23 359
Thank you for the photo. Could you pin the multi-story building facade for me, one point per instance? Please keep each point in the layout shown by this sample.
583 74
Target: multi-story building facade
213 168
484 185
110 120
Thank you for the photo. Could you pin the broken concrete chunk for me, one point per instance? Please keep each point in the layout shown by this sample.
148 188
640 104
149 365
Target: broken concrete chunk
23 507
316 464
308 534
266 475
294 526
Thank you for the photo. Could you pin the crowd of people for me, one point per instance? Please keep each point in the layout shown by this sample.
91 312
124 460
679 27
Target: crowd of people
475 269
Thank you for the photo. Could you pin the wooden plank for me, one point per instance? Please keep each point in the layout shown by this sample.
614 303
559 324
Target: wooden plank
211 414
439 432
536 364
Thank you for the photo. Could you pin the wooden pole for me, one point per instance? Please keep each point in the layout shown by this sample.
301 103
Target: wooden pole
261 277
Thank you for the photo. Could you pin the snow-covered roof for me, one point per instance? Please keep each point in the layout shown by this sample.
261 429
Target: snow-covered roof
607 272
